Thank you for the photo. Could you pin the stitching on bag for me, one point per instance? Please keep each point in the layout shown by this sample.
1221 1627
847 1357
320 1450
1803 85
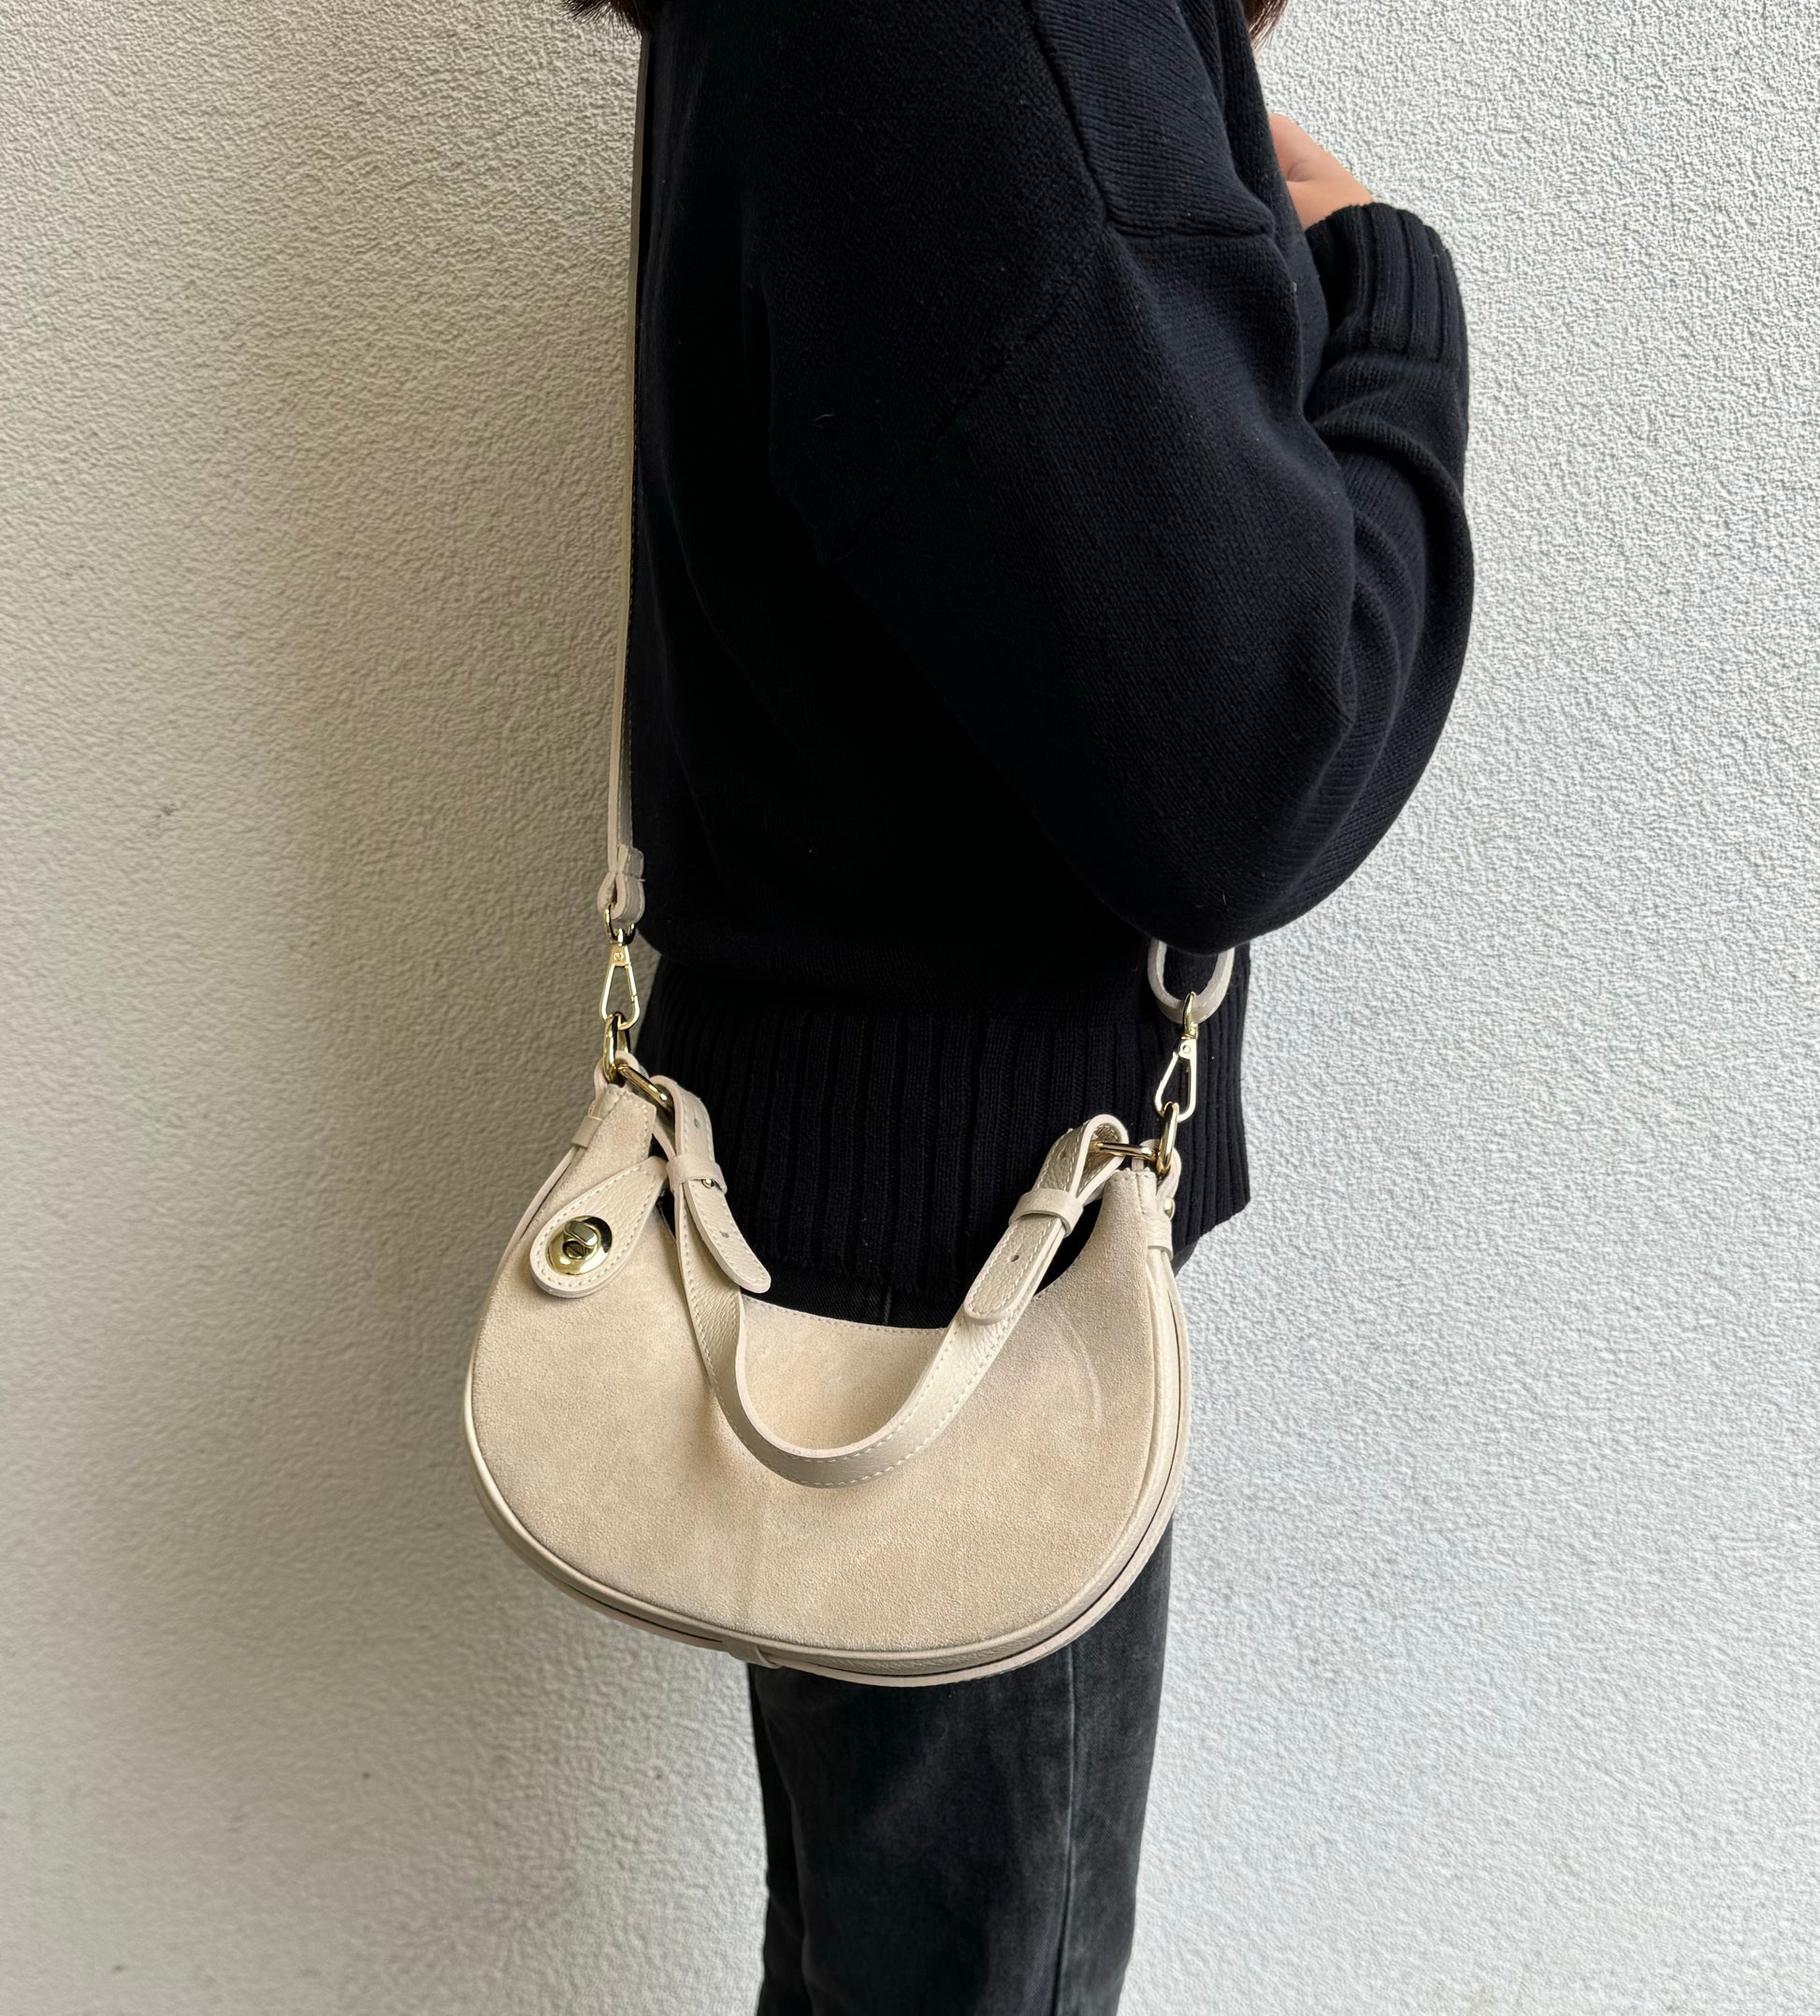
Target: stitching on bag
831 1465
842 1322
1014 1264
966 1395
685 1257
729 1235
586 1284
825 1464
992 1343
989 1345
582 1198
692 1168
995 1337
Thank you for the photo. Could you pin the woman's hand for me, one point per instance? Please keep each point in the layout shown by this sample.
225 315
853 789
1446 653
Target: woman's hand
1318 184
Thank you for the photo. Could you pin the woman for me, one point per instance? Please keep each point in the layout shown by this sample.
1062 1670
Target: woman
1050 535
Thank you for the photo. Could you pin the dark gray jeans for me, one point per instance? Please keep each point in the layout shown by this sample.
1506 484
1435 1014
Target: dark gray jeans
967 1849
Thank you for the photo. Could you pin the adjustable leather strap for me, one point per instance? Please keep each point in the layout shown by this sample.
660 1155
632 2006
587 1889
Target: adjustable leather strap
702 1213
1041 1220
622 891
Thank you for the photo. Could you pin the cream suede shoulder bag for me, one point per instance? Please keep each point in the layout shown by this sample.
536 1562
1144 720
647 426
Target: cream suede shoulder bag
878 1504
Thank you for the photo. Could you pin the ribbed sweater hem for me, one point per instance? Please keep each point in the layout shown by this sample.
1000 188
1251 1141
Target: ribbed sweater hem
890 1148
1390 284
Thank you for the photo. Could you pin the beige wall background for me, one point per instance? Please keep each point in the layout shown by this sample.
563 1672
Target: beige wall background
1495 1682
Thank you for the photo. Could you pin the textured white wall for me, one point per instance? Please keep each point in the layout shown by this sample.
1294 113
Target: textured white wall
1497 1660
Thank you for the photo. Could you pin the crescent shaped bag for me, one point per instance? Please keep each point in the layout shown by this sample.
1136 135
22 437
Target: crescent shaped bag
880 1504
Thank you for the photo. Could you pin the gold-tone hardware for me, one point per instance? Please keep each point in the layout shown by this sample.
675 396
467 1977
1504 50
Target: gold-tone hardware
617 1068
579 1245
1184 1057
617 1021
1164 1158
610 1065
1135 1151
631 1075
1159 1156
619 961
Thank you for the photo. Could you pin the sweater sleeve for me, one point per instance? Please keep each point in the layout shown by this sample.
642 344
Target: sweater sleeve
1207 629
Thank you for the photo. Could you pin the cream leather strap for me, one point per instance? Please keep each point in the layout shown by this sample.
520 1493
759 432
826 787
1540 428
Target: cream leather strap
622 890
1207 999
707 1239
705 1218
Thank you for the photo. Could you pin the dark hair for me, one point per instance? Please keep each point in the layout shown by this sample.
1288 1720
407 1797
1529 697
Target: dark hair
1262 16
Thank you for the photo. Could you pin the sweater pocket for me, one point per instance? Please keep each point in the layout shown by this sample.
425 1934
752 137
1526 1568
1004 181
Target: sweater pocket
1147 115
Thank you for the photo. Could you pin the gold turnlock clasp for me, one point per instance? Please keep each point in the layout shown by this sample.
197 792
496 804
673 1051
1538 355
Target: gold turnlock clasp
580 1246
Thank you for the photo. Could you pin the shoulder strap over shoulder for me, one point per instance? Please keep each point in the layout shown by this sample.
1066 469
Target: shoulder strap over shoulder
622 891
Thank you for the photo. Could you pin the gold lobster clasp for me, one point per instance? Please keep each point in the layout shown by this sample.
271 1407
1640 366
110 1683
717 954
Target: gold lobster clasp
614 1053
616 1021
619 961
1184 1057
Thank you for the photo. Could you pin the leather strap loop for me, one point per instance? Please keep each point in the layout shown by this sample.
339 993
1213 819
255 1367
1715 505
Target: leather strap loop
700 1191
1050 1204
1207 999
695 1169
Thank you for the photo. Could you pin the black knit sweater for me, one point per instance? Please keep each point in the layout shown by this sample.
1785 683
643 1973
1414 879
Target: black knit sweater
1042 545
